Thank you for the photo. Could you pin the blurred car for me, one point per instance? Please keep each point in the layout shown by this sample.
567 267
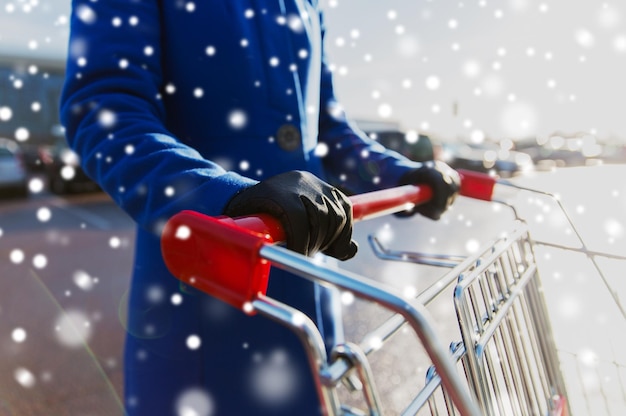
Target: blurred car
484 157
564 151
613 152
31 157
417 147
547 158
63 170
13 176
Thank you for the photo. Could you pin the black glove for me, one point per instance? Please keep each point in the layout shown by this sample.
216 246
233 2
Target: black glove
315 216
444 182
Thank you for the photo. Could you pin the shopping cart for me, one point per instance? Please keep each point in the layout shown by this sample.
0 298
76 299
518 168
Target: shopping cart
505 362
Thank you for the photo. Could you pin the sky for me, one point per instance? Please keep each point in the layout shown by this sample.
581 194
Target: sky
473 69
496 68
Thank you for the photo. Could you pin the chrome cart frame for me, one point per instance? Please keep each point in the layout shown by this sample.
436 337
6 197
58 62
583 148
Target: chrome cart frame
504 364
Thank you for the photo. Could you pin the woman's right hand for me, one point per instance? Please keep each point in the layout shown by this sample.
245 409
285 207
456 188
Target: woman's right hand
315 215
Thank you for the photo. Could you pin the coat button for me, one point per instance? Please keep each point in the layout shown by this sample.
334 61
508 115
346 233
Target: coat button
288 137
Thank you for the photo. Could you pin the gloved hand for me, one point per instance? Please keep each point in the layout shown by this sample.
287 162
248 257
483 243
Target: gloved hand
444 182
315 216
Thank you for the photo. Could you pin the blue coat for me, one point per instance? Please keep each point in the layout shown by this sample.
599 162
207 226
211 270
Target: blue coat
176 105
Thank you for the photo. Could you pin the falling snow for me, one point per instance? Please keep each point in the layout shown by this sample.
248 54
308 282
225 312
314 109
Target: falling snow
176 299
237 119
83 280
107 118
442 80
18 335
16 256
195 402
5 113
44 214
193 342
24 377
273 378
115 242
73 328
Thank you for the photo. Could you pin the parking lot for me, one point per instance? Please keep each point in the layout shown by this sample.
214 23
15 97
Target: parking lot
65 266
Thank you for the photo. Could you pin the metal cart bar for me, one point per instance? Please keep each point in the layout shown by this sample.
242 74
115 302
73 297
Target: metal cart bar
416 315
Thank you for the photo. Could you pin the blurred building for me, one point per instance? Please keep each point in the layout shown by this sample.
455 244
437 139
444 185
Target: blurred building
29 99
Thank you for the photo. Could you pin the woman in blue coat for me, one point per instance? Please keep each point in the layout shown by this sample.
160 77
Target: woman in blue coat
220 107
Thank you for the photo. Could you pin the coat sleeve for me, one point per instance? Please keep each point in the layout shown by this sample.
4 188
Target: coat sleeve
354 161
115 120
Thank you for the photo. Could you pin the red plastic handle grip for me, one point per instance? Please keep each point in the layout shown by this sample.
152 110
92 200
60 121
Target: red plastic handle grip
217 255
378 203
220 255
476 185
372 204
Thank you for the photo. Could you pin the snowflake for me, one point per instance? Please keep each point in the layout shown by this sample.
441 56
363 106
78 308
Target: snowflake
176 299
22 134
5 113
16 256
321 150
408 46
193 342
244 165
295 23
155 294
385 110
619 43
115 242
24 377
18 335
584 38
73 328
107 118
83 280
472 246
237 119
433 82
274 379
347 298
86 14
194 402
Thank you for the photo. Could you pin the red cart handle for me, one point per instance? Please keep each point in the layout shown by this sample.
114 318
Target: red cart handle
220 255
